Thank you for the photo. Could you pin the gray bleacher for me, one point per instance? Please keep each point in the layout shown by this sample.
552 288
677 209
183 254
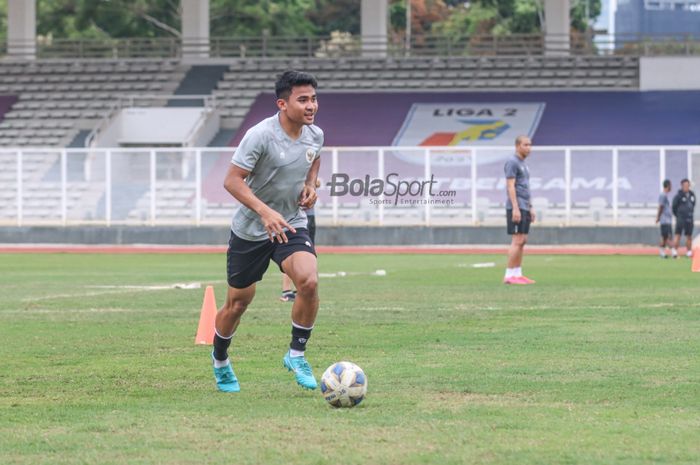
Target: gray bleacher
57 98
248 77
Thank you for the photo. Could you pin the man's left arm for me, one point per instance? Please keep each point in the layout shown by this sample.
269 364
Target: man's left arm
308 196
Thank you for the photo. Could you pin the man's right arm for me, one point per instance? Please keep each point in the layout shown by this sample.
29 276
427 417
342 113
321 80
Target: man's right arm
273 222
674 205
510 186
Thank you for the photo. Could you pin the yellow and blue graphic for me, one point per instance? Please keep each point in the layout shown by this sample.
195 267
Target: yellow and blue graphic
476 130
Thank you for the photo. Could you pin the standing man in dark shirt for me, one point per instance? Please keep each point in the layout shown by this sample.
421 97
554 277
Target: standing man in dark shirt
665 218
683 208
519 212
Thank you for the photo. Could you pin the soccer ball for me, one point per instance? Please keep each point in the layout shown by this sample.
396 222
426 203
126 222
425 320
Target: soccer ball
344 384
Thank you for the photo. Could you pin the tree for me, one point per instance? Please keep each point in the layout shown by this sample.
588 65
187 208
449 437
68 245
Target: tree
336 15
162 18
579 8
253 18
502 17
108 18
3 23
424 13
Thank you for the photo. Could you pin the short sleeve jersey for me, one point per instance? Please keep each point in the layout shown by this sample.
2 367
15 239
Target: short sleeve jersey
517 169
278 168
666 214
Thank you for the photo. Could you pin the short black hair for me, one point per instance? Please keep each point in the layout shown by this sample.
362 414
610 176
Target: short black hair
667 183
289 79
685 180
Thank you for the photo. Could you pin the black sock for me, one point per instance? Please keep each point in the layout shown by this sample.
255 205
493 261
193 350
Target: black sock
221 347
300 337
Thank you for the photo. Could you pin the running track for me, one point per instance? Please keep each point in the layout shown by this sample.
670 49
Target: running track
449 250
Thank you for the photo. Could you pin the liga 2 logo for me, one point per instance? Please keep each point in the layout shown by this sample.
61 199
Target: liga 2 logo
465 124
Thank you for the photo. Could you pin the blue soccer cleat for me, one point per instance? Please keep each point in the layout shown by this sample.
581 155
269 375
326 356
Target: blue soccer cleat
302 371
226 380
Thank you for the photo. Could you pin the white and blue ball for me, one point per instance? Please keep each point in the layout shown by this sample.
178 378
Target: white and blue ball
344 384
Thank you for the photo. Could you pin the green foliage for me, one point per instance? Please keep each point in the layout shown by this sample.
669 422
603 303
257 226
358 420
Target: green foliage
464 22
579 21
254 18
336 15
3 23
108 18
502 17
161 18
397 15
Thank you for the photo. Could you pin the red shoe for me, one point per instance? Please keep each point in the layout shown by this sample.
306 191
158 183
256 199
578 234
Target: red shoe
513 280
526 280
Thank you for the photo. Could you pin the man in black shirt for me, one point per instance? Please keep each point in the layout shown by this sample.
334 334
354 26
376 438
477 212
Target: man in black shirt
684 207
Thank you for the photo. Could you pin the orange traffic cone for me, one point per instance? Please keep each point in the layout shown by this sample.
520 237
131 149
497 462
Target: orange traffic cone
696 258
205 331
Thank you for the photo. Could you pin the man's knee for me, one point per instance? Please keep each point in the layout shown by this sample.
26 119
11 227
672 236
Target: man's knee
236 307
308 285
519 239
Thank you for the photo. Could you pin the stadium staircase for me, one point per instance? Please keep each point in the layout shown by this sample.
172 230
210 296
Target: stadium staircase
199 80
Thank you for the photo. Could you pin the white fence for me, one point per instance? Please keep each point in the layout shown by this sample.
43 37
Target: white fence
372 185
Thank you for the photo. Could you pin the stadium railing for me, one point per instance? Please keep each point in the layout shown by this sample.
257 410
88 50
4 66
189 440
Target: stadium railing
437 186
348 45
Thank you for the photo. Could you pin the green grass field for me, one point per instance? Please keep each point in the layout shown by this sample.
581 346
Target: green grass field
598 363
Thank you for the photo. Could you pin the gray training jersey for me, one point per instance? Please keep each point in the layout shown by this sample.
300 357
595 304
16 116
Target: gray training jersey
516 168
278 167
666 214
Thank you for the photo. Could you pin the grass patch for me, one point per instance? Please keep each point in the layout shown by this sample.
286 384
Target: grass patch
595 364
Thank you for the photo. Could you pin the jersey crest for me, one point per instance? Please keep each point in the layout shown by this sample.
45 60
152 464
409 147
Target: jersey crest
310 155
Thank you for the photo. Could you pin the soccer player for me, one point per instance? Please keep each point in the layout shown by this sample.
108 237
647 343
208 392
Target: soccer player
684 207
519 212
665 218
273 174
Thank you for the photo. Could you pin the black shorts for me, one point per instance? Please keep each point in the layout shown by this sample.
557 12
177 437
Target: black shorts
684 226
518 228
247 261
666 231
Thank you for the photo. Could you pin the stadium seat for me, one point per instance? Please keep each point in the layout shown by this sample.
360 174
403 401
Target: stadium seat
79 91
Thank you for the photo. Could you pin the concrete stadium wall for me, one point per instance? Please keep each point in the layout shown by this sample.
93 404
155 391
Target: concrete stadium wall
669 73
335 236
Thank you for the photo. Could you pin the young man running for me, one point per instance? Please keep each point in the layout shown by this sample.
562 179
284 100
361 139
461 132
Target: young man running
273 175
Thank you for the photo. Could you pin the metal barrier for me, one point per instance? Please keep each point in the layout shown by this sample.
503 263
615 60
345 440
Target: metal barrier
360 185
348 45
